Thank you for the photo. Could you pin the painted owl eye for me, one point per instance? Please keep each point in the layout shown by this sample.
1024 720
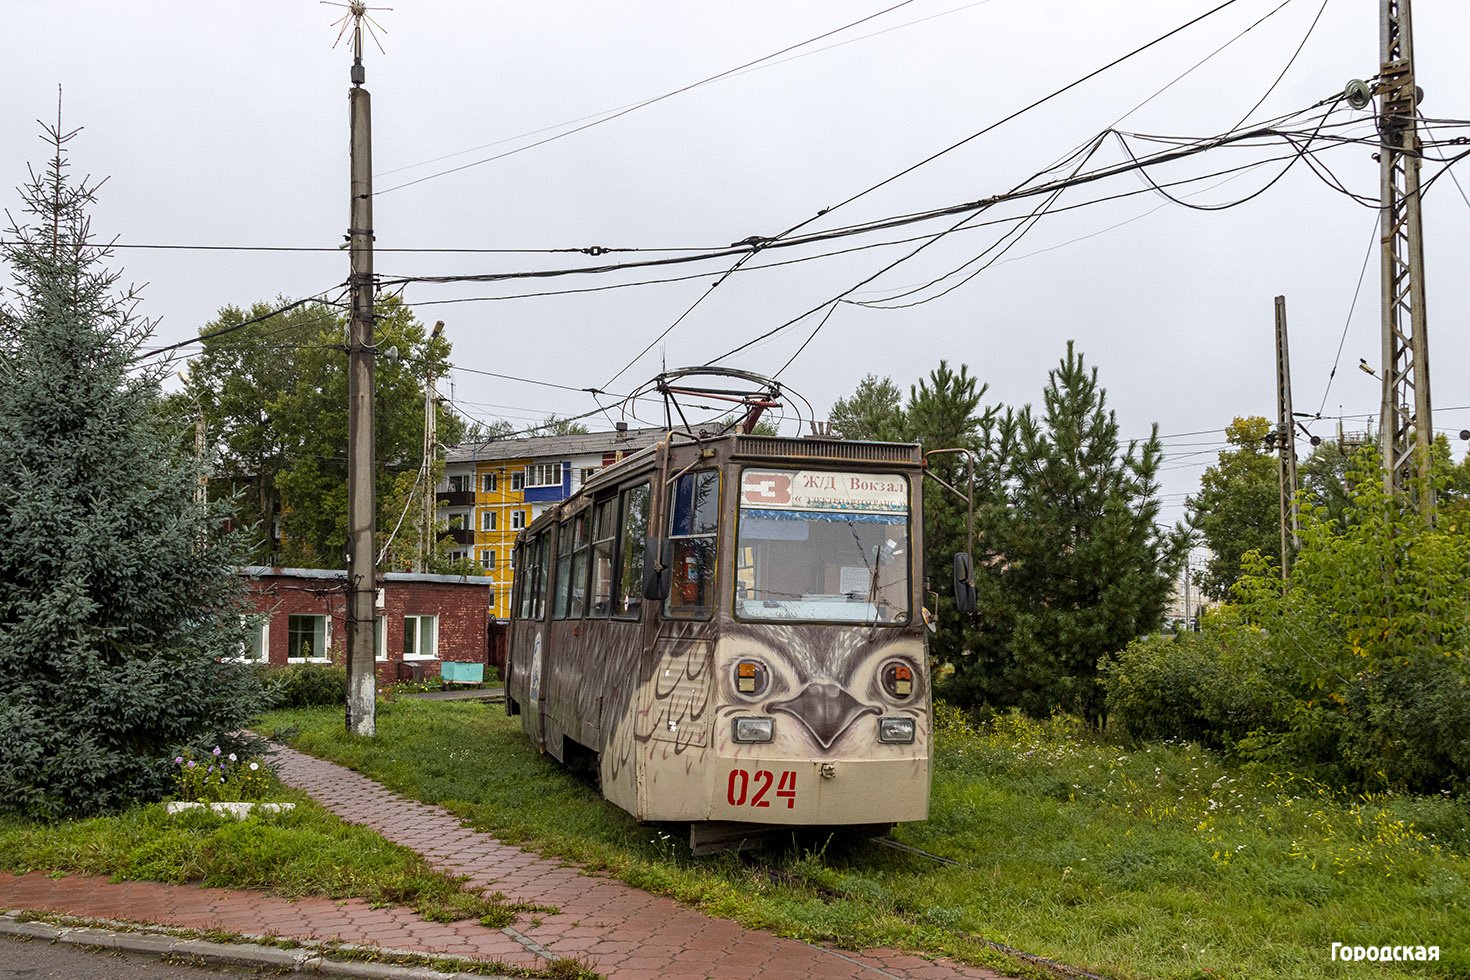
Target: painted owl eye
898 679
751 678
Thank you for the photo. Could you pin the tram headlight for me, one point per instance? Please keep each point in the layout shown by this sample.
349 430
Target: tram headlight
896 730
759 729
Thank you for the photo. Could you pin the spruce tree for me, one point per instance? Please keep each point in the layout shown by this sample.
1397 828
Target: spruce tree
119 602
1074 566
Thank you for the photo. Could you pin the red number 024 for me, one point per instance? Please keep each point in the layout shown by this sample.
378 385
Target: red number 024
742 782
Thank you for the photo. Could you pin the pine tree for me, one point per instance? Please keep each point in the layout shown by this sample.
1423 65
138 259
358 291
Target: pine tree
1074 565
119 606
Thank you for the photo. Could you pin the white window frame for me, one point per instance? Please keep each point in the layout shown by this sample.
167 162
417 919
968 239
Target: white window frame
486 559
489 483
326 639
517 520
253 621
418 619
539 475
488 521
460 516
380 637
456 482
518 480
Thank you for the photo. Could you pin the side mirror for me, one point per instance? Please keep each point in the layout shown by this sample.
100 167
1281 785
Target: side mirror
658 568
964 584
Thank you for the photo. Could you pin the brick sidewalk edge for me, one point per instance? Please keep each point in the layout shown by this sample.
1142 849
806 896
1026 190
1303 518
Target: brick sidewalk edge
306 958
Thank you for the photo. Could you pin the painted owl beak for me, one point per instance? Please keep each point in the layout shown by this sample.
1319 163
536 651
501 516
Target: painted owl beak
825 709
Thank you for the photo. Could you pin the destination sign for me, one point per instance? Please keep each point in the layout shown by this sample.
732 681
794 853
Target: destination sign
825 490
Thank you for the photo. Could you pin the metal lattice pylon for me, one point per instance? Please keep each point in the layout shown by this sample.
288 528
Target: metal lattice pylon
1407 426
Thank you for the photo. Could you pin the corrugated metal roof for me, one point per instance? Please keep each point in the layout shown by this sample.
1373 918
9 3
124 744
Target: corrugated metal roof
553 447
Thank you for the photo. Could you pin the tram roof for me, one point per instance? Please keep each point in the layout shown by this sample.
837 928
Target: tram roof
536 447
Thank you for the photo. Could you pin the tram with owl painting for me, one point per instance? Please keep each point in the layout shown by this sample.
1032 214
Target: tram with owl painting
729 631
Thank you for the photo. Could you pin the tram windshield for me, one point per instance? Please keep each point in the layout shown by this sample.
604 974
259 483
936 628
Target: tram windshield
823 546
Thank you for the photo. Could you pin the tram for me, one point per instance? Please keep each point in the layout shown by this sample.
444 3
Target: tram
729 630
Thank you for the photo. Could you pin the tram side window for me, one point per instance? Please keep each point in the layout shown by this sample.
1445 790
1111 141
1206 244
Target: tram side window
694 515
630 567
522 600
563 569
571 568
604 535
530 579
538 596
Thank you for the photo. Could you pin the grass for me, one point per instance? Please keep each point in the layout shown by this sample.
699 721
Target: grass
306 851
1156 862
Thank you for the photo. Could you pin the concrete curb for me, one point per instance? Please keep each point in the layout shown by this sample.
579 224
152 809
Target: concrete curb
307 958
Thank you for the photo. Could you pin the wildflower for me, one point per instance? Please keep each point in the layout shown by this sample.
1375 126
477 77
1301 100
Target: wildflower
178 760
232 757
254 766
191 763
216 750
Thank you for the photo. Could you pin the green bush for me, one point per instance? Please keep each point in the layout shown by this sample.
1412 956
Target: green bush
1204 687
309 686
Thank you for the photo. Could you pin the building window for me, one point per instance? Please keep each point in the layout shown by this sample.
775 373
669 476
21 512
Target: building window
489 483
517 519
461 482
380 638
518 480
588 473
487 520
459 556
420 636
543 475
256 647
492 600
457 521
487 558
306 638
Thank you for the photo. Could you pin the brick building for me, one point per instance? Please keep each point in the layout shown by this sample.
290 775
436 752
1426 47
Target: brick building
300 617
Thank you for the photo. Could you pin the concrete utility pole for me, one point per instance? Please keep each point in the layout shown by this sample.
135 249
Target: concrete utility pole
431 447
1405 421
1285 442
362 524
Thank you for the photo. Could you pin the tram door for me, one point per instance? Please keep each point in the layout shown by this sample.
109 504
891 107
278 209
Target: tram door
534 613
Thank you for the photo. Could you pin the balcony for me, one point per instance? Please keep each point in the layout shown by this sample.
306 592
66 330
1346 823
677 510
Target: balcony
456 498
462 535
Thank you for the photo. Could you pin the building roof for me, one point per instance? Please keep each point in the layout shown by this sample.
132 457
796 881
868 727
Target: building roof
541 447
262 571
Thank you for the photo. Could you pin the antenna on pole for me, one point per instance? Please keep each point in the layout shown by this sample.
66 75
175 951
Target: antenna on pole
353 21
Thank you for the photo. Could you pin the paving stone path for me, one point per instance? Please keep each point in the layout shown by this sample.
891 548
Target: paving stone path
617 930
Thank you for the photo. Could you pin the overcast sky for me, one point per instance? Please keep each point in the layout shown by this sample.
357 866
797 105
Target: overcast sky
227 126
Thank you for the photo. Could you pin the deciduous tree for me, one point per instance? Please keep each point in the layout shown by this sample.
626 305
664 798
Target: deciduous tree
1238 507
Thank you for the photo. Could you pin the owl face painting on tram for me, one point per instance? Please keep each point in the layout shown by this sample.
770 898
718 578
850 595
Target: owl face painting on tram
728 630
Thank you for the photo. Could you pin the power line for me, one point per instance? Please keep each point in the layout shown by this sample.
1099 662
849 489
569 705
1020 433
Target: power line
648 102
222 331
1372 246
